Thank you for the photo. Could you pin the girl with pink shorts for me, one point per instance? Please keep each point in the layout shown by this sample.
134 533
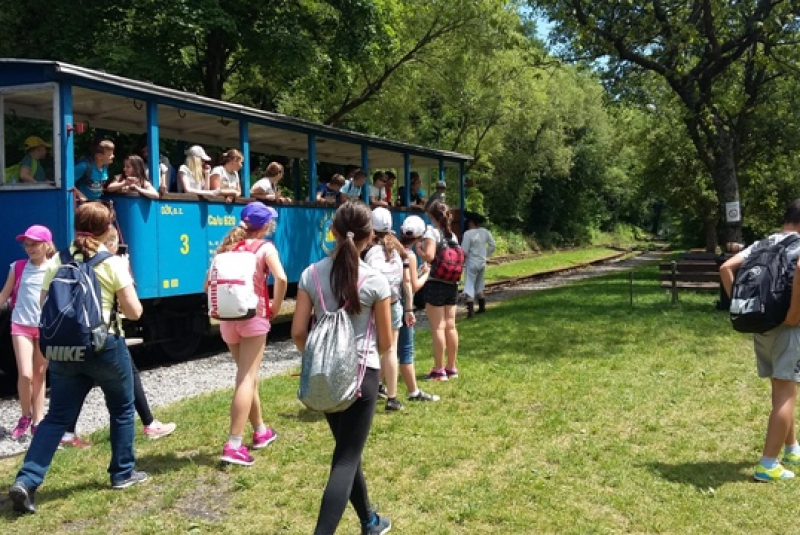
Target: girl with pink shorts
24 288
247 338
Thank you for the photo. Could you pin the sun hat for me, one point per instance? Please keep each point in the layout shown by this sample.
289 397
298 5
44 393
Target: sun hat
381 220
257 215
413 226
36 233
32 142
199 152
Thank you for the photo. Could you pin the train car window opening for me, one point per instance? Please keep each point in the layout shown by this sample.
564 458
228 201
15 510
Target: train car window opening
29 122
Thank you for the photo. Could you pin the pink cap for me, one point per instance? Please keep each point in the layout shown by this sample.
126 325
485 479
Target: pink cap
36 233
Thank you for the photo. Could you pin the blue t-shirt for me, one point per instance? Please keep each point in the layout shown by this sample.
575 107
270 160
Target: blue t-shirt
90 183
329 194
351 190
36 167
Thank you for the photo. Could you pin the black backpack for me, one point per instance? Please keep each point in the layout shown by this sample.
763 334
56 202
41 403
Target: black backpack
762 290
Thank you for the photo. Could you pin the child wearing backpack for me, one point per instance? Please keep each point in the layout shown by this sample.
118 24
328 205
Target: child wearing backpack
777 357
79 357
387 256
246 337
24 288
441 292
346 281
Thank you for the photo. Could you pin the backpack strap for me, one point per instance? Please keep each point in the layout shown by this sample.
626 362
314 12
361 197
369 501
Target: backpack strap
19 267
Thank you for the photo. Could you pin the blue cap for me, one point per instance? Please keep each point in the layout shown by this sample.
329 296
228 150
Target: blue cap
257 215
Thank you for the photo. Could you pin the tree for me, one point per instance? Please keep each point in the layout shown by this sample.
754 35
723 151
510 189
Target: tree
720 59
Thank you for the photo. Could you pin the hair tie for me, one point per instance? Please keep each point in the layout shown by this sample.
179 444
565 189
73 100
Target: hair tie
350 235
84 234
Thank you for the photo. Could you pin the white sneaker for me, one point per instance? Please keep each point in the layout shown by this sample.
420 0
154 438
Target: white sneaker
158 430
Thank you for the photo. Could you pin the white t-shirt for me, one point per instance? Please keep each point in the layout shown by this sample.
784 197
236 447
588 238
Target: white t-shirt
227 180
28 309
193 182
378 194
432 233
265 185
391 269
478 245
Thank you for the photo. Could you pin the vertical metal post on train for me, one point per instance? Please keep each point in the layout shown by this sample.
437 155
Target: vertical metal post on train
365 168
244 141
312 167
407 179
296 177
153 152
64 233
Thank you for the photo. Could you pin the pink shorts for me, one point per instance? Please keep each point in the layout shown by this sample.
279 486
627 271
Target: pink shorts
233 331
24 330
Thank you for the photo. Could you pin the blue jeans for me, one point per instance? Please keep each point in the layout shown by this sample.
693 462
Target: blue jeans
69 384
405 344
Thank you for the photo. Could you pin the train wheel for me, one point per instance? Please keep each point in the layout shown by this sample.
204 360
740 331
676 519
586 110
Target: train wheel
186 335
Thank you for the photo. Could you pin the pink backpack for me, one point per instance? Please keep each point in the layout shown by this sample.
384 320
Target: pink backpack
19 267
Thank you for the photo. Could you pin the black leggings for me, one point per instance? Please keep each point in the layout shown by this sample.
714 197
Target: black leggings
139 401
350 430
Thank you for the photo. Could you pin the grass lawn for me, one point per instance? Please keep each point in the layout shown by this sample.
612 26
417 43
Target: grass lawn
547 262
574 413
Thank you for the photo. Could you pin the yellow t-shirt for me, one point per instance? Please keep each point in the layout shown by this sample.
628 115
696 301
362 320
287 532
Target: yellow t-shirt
113 275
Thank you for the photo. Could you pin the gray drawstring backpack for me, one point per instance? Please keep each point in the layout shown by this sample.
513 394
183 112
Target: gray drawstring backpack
332 368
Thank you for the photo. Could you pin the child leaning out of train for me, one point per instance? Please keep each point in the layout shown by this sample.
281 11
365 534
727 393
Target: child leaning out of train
223 180
153 429
92 173
247 338
267 187
24 288
133 179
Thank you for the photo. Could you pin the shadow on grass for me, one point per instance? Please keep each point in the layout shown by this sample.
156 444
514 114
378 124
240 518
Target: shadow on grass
174 461
704 475
45 495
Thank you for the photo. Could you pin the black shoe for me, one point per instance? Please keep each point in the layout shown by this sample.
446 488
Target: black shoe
131 480
423 396
470 309
481 306
382 391
384 525
392 404
22 498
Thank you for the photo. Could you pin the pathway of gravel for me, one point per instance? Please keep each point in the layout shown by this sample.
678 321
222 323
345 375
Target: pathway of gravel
168 384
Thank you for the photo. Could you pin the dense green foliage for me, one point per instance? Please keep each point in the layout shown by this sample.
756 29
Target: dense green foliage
562 151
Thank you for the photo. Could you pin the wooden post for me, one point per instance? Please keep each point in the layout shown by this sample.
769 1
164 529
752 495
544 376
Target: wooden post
674 282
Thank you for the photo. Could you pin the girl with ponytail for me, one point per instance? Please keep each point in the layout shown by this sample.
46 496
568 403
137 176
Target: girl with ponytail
345 281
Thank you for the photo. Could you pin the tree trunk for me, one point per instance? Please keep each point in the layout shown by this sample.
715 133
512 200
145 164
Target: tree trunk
726 184
710 231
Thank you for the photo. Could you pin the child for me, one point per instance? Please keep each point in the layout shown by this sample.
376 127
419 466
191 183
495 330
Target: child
153 429
339 276
413 280
24 287
267 188
330 193
246 338
478 244
388 257
133 179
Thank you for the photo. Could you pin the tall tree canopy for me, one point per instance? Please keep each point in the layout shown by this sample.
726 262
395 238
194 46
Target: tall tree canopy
720 58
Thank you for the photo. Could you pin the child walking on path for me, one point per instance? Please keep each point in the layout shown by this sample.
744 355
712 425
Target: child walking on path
339 277
24 287
247 338
412 230
478 244
153 429
777 357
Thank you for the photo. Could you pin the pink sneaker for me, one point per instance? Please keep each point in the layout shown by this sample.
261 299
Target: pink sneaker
238 455
157 430
22 427
262 440
436 375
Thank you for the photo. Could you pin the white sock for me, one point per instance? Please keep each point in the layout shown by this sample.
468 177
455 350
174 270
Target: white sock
235 442
414 393
261 428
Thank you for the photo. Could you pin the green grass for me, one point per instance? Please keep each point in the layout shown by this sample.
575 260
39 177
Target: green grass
574 413
546 262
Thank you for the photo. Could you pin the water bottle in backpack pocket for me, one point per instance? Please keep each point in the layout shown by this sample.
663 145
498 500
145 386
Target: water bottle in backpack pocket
762 290
72 327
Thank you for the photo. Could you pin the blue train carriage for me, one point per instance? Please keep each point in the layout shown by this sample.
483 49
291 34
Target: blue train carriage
46 105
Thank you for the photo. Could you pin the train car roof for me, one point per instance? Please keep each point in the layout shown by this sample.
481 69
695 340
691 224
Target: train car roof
113 102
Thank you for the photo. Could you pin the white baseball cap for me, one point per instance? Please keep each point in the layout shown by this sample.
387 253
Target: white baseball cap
413 226
381 220
199 152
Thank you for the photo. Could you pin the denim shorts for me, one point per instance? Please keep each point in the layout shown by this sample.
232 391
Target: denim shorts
397 314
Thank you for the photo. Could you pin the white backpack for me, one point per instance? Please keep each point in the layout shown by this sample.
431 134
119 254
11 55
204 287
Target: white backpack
231 292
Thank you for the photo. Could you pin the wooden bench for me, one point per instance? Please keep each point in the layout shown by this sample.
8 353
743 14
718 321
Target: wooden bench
691 271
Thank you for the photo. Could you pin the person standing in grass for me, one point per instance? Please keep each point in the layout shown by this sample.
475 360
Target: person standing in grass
344 280
247 338
440 297
777 357
478 244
